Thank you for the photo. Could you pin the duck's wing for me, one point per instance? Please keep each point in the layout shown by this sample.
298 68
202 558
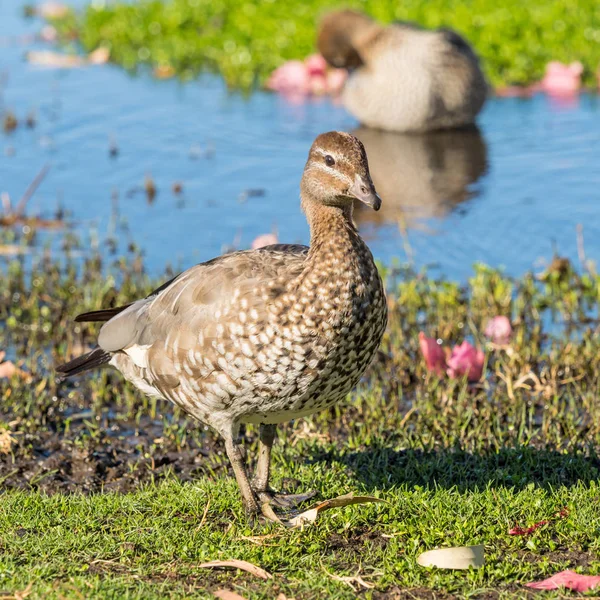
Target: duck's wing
202 310
105 314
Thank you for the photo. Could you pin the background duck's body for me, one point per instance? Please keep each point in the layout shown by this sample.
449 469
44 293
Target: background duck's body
261 336
403 78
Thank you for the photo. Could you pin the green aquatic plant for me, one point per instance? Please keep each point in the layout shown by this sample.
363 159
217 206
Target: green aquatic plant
246 40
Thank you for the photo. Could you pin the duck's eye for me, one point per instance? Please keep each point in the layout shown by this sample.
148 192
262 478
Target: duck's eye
329 161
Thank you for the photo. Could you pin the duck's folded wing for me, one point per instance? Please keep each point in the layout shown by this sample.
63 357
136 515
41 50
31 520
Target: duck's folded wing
199 312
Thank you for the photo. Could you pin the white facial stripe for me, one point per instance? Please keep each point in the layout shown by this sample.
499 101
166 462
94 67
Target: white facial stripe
337 174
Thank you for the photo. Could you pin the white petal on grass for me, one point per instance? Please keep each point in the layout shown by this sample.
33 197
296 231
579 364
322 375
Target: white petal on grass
461 557
309 516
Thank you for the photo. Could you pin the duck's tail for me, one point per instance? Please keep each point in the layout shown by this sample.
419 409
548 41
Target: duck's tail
96 358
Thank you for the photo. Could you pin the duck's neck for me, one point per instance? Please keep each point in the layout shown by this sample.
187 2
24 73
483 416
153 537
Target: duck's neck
333 235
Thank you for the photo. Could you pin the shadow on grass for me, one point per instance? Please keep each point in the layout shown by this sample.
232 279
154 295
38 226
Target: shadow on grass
380 467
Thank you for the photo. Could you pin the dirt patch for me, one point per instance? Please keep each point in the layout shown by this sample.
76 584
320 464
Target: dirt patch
356 540
118 457
567 559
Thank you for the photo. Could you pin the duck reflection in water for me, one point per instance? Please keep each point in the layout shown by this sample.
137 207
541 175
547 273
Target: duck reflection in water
420 176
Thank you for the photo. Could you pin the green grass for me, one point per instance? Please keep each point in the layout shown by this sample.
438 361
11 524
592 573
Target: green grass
246 40
457 463
149 544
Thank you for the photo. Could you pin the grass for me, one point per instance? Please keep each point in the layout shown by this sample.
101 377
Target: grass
108 494
149 544
246 40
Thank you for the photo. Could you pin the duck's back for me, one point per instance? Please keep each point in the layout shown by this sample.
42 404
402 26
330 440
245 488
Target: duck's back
416 80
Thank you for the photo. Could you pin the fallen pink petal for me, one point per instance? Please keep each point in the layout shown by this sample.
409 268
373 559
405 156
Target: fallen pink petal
466 360
499 330
433 353
567 579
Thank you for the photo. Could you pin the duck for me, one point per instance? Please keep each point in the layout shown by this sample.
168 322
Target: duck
422 176
401 77
261 336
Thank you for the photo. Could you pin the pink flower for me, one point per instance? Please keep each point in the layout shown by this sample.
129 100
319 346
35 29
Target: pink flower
335 80
465 360
291 78
562 80
316 65
296 79
499 329
266 239
433 353
568 579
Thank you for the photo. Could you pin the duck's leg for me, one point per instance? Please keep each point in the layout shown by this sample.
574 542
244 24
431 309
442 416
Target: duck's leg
236 458
260 483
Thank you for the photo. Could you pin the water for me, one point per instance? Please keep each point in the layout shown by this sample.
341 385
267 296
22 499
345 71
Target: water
506 195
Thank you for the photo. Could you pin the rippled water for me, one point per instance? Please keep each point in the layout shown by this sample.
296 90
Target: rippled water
503 195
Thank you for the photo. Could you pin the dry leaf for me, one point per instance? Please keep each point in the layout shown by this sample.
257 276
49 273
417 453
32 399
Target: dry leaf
310 516
237 564
351 580
462 557
227 595
568 579
6 441
259 540
20 595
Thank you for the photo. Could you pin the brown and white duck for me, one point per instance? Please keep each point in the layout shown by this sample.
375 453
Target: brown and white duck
261 336
403 78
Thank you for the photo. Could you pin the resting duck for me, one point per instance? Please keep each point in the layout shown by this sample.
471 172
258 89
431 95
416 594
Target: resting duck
403 78
261 336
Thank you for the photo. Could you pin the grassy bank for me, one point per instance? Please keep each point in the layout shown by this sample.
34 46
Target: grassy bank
245 41
105 493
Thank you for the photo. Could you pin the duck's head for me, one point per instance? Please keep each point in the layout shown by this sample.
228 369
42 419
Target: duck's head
337 173
336 37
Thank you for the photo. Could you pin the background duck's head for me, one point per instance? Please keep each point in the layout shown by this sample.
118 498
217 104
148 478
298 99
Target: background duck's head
336 38
337 172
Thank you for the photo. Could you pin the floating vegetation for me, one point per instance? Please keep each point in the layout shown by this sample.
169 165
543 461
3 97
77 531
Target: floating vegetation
245 41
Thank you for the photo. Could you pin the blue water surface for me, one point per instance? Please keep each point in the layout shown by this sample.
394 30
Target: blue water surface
506 195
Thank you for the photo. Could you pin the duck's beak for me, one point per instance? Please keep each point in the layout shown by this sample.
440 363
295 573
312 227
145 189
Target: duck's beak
365 192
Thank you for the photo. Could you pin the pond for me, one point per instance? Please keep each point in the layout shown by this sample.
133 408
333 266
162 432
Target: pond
508 194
